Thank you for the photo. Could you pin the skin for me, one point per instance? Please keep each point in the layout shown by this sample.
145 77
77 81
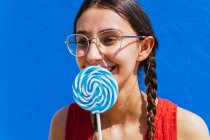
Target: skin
131 102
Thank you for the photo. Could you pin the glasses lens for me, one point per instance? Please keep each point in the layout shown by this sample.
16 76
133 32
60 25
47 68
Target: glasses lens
111 41
77 44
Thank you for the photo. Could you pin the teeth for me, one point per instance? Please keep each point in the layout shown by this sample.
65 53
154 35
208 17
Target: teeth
110 68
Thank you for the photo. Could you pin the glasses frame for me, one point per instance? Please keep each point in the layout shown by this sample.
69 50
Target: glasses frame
99 44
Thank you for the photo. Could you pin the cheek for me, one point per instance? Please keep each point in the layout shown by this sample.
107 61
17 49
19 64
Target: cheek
129 49
126 63
80 62
127 56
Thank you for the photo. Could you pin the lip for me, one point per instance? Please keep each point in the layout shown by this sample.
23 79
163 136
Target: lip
109 68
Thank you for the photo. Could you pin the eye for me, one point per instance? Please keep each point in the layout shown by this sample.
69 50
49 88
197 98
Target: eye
82 42
109 41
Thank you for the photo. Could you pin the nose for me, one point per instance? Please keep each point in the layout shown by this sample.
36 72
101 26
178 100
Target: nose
94 54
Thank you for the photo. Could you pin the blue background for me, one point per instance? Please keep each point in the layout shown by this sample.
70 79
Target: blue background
36 70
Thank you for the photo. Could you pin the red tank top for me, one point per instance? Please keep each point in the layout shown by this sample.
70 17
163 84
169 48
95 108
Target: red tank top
79 127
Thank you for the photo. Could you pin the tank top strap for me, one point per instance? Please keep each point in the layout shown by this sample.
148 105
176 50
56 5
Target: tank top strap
78 125
165 120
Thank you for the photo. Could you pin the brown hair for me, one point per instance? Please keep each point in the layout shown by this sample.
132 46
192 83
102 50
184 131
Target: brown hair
135 15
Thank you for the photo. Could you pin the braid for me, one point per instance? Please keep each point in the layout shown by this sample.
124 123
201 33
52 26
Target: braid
151 88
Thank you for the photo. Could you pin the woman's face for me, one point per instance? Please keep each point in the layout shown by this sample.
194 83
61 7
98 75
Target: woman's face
123 64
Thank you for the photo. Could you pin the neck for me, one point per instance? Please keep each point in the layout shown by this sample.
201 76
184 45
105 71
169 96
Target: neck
130 105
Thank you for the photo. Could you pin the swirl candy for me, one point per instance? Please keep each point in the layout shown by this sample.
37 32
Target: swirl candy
95 89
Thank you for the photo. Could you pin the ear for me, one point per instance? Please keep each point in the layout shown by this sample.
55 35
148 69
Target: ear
145 48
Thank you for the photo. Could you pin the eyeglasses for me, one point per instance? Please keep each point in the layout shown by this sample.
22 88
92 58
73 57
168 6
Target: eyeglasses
108 42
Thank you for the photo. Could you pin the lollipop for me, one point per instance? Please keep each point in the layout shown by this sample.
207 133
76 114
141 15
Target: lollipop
96 90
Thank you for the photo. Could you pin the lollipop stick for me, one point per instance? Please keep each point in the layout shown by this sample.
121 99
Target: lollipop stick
99 126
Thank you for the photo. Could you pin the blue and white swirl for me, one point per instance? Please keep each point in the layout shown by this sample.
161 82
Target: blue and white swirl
95 89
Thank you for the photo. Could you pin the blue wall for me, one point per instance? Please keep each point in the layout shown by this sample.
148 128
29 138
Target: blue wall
36 71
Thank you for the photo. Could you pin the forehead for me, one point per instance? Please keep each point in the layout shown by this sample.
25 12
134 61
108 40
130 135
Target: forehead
94 20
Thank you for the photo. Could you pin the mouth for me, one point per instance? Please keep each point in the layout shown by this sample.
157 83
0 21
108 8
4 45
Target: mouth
111 68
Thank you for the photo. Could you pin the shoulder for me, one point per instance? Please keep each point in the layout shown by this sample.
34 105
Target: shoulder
58 124
190 126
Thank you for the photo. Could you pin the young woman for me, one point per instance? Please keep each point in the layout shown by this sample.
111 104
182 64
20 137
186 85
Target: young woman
117 35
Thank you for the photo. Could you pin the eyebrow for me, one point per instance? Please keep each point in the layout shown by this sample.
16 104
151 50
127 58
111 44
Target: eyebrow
86 33
81 32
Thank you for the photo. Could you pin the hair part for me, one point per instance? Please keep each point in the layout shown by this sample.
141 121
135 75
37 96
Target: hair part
131 11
